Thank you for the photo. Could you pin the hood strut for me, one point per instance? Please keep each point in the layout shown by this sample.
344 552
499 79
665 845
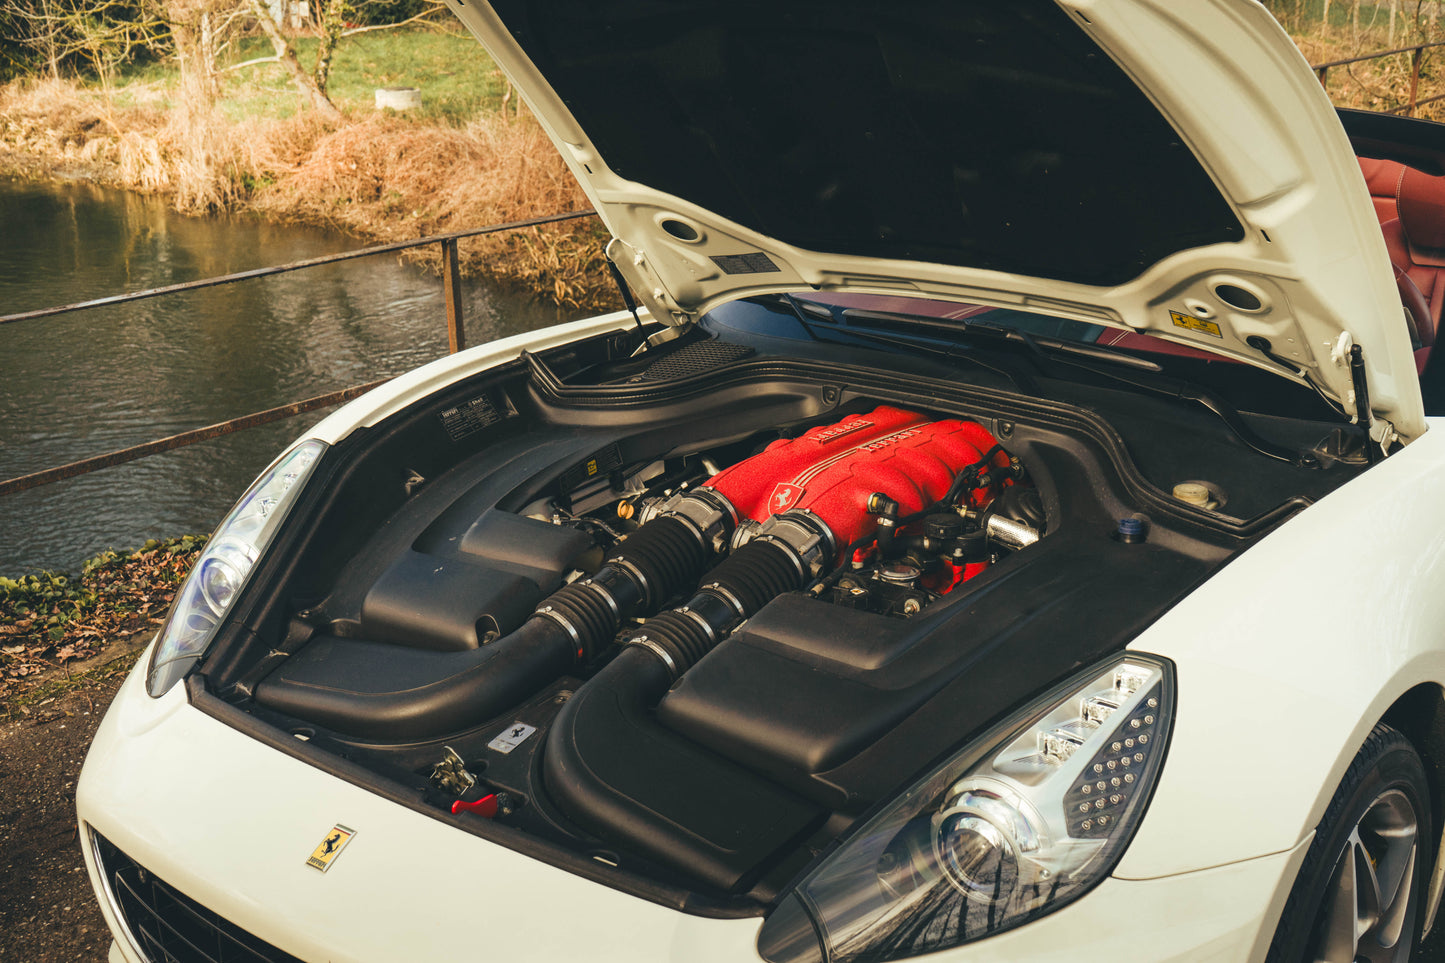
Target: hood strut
621 283
1363 416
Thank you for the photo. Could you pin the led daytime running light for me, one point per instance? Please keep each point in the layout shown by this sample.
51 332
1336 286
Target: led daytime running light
1019 824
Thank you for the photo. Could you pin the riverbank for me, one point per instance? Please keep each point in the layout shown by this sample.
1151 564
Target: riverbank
380 176
63 631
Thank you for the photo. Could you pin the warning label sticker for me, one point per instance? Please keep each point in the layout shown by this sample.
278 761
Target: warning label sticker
1196 324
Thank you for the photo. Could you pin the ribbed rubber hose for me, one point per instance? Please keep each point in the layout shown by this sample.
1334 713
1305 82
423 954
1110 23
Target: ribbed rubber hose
336 683
751 577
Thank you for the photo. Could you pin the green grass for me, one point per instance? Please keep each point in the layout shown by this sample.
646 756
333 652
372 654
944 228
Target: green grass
457 78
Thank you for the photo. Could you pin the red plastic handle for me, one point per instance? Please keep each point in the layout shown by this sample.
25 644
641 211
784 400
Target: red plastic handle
486 807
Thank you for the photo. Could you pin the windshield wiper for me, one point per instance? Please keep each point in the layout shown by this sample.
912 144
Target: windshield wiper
1183 390
1142 374
952 329
803 310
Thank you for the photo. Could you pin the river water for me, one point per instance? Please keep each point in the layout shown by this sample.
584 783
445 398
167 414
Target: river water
89 382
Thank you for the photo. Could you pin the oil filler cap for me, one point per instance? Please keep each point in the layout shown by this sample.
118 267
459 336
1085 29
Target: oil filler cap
1131 530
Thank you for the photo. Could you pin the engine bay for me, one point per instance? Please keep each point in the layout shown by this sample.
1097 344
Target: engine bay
683 645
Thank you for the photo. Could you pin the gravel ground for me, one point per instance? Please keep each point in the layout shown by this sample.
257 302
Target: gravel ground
47 910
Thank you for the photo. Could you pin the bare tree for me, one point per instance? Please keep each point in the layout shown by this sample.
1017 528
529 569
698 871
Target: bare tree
193 25
89 35
332 18
333 27
286 56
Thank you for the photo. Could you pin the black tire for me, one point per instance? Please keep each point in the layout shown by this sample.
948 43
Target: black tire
1383 790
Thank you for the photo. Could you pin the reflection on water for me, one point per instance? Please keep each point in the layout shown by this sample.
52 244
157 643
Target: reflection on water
82 384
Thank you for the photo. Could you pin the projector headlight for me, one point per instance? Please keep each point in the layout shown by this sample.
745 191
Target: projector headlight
224 565
1013 827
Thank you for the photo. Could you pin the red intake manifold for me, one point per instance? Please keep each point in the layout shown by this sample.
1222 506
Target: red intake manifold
832 471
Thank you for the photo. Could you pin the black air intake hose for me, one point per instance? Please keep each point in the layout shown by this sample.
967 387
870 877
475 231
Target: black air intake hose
741 584
644 571
380 691
618 774
611 768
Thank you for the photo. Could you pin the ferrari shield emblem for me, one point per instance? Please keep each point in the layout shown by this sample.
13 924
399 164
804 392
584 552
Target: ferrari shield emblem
326 852
784 496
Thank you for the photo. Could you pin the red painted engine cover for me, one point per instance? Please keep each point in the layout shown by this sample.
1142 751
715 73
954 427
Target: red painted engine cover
832 471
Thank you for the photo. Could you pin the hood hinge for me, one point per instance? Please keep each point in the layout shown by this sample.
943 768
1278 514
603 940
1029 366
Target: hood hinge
659 304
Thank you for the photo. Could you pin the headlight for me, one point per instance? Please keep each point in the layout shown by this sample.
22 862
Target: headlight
1015 826
222 569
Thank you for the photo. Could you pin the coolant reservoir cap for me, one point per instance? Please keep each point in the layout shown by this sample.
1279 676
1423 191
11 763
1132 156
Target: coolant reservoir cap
1193 493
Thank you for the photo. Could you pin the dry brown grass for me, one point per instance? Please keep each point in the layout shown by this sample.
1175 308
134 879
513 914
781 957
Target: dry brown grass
142 148
388 178
379 177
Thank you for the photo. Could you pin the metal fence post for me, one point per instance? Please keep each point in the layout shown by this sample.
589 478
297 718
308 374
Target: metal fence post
1414 78
452 290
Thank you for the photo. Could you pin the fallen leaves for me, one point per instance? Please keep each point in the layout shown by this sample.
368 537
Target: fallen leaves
50 620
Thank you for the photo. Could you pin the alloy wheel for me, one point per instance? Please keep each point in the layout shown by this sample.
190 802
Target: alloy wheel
1367 903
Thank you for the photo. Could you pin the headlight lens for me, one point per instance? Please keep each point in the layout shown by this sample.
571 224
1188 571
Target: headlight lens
994 838
222 569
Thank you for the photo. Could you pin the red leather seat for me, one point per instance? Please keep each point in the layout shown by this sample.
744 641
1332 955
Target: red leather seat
1382 177
1416 241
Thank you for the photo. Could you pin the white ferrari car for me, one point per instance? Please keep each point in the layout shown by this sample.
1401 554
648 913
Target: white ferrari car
1007 526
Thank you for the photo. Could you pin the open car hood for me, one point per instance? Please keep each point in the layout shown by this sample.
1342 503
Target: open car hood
1168 169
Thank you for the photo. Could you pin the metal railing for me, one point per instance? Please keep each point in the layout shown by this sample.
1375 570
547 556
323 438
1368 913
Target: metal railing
456 340
1417 56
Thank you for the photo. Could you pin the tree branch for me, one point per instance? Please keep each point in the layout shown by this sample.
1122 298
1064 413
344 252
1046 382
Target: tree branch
388 26
252 63
287 58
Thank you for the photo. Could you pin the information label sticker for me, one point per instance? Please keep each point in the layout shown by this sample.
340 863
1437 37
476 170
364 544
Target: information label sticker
511 737
469 417
1195 324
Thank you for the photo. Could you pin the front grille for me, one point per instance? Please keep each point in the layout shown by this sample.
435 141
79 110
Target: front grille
169 927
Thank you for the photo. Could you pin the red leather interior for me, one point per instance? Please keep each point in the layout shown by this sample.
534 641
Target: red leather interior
1421 200
1411 208
1382 177
1414 300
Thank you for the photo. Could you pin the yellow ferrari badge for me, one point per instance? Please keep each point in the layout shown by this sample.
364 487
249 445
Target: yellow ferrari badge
330 847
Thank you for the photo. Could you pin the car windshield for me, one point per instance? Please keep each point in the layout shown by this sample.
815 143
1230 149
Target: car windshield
1029 351
877 309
